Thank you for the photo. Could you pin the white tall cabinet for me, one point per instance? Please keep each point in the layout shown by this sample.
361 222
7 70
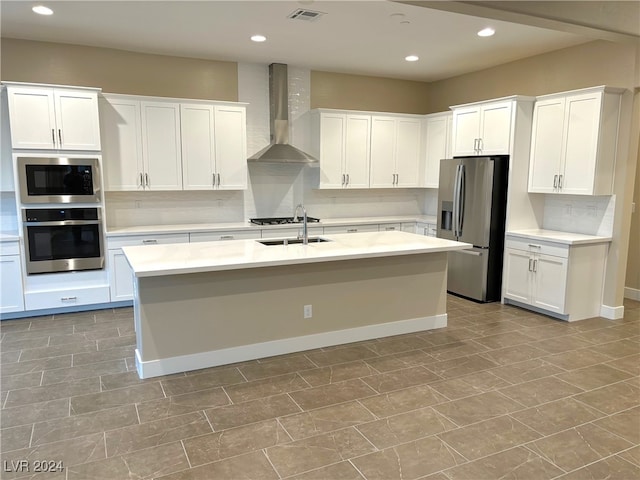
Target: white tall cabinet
395 151
482 128
48 118
574 139
12 298
436 135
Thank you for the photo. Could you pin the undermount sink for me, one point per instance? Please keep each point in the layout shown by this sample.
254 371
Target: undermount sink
290 241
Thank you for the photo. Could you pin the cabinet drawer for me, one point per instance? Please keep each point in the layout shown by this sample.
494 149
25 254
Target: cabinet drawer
351 229
289 232
119 242
9 248
533 245
389 227
227 235
66 298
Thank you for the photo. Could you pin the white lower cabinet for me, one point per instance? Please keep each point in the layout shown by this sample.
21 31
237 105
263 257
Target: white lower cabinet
66 298
12 298
226 235
562 280
290 232
120 273
351 229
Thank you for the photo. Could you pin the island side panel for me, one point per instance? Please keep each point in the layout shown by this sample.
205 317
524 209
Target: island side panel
183 315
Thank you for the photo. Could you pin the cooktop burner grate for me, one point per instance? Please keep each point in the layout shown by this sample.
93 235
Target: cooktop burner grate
280 220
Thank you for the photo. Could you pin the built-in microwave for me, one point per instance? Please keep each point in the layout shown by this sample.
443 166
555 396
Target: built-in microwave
58 180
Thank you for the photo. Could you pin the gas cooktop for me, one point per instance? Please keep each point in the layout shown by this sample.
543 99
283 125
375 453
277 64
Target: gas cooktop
281 220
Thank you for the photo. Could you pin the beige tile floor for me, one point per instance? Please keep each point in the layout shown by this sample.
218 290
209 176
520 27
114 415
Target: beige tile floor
500 393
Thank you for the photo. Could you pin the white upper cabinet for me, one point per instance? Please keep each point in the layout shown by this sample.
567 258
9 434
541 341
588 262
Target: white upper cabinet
341 141
48 118
574 138
482 128
395 151
437 145
158 144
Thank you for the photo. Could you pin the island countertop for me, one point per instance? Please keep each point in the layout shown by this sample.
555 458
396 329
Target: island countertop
184 258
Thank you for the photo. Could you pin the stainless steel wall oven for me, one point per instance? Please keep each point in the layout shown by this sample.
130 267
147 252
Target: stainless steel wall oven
58 180
63 239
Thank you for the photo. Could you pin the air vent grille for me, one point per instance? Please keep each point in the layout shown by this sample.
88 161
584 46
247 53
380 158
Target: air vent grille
306 15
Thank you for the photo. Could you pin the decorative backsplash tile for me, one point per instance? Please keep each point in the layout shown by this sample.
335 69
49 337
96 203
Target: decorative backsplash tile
579 214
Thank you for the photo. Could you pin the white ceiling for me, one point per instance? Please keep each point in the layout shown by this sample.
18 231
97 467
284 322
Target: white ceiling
359 37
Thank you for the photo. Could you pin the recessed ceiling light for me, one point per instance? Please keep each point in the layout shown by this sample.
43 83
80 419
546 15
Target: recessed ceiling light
42 10
258 38
412 58
486 32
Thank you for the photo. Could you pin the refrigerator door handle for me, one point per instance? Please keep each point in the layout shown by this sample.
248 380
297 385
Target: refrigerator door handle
456 199
461 199
470 252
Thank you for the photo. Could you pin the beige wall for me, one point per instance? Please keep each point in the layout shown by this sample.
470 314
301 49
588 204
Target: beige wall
633 262
359 92
118 71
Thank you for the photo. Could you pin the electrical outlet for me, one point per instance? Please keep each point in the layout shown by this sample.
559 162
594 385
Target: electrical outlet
138 203
308 312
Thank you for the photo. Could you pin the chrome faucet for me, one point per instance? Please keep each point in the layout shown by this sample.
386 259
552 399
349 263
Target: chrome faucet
305 232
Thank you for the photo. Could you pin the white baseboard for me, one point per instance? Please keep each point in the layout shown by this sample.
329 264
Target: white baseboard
225 356
611 313
632 293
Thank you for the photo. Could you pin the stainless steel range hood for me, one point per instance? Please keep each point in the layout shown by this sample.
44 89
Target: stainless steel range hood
279 150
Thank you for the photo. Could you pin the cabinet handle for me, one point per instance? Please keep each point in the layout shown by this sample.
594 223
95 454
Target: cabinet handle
555 181
146 180
389 228
533 245
141 182
347 179
60 137
480 145
150 242
218 176
535 265
352 230
560 182
53 136
213 180
343 178
226 237
475 145
68 299
530 262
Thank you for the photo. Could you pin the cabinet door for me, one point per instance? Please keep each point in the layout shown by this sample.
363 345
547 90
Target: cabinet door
383 148
495 129
550 277
32 117
582 121
122 144
77 120
231 147
332 150
546 145
356 151
12 299
517 275
466 130
407 154
437 137
161 145
198 150
120 277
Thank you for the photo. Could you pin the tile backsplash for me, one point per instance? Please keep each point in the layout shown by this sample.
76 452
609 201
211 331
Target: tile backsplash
579 214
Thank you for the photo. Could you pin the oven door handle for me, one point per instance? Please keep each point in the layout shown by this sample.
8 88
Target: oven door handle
63 223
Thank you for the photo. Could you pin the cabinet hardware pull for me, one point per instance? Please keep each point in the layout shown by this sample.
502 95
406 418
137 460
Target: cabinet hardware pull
535 265
226 237
218 175
53 136
533 245
530 261
560 182
68 299
480 145
141 182
146 179
352 230
555 181
213 180
397 178
389 228
60 137
347 179
150 242
343 177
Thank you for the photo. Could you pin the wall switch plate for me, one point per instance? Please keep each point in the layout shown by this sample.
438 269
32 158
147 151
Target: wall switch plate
308 312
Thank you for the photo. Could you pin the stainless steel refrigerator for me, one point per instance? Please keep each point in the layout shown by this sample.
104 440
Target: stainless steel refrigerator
472 198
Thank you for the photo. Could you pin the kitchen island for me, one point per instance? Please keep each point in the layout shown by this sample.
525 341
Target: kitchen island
214 303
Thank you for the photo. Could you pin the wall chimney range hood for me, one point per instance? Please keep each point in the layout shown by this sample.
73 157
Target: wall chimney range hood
279 150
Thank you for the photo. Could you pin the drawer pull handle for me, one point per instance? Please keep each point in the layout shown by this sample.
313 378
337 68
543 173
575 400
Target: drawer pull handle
535 265
533 245
352 230
389 228
530 262
226 237
149 242
68 299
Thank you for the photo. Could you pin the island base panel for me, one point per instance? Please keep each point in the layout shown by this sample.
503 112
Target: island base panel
193 321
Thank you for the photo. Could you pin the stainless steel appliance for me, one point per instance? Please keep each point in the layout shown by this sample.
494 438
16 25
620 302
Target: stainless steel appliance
472 197
281 220
58 180
63 240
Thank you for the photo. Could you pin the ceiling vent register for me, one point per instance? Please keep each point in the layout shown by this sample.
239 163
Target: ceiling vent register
306 15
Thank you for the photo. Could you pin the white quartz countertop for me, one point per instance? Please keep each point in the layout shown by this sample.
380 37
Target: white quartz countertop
209 227
566 238
160 260
9 237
